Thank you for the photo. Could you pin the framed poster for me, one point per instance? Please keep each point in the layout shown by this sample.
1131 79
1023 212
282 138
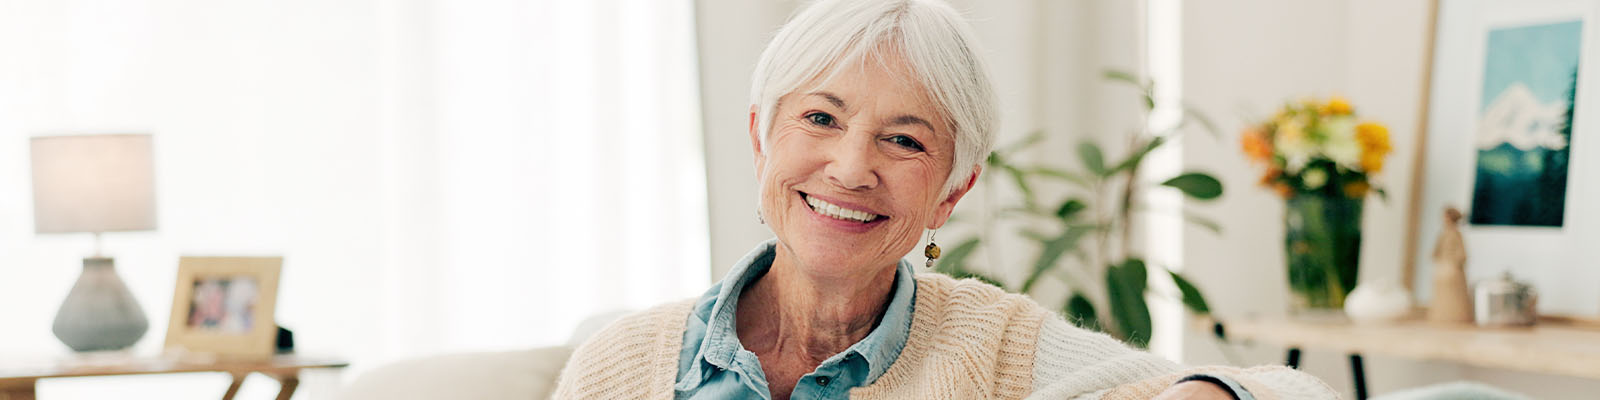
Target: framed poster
1510 142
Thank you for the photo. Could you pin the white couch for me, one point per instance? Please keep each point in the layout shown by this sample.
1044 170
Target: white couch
520 375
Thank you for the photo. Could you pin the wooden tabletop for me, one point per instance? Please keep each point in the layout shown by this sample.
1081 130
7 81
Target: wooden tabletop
106 365
1550 349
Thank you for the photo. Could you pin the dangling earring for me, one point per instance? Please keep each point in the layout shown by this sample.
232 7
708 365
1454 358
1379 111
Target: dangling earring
763 221
932 251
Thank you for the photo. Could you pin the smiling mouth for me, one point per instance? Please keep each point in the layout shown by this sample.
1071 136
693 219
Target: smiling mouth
831 210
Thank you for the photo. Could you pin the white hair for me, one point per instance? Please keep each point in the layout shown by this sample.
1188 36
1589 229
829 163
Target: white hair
936 43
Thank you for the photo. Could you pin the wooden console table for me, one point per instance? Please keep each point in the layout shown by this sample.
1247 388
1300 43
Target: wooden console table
1547 348
17 379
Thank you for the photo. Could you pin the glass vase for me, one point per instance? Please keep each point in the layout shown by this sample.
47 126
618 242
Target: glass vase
1322 239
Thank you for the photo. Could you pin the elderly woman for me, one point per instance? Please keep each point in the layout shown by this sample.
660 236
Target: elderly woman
869 123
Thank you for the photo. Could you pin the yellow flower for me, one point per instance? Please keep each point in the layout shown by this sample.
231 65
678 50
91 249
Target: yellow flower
1374 140
1336 106
1371 163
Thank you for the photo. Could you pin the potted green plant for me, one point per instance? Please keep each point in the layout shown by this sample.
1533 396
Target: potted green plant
1092 224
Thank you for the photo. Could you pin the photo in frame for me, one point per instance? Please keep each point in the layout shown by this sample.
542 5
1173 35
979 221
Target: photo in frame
1509 141
223 306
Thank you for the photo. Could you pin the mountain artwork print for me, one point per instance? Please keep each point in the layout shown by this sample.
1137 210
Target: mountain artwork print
1524 137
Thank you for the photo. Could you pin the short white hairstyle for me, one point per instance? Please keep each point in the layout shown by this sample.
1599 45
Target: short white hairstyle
933 39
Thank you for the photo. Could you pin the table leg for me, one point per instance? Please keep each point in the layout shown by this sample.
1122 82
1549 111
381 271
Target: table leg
233 388
1359 375
17 389
289 382
1294 358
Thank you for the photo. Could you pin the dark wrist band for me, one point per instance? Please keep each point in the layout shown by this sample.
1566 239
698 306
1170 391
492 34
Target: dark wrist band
1212 380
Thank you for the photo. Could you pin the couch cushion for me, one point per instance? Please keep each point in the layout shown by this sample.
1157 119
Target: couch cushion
520 375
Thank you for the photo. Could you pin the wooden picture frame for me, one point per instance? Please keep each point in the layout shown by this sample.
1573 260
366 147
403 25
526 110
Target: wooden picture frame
224 306
1467 86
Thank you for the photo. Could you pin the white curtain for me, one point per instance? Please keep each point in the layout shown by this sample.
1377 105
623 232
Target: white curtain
440 176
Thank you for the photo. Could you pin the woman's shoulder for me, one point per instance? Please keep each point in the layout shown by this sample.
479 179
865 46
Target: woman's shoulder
634 355
972 295
643 325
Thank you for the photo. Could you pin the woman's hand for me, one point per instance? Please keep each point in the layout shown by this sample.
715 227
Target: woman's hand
1195 390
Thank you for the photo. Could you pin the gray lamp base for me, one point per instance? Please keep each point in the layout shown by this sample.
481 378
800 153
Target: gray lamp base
99 313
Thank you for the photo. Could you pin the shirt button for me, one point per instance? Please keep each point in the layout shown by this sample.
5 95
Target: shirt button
823 381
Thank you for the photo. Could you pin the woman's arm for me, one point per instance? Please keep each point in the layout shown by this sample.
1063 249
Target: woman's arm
1072 363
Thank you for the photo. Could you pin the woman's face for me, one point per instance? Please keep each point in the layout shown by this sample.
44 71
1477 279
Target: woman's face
854 169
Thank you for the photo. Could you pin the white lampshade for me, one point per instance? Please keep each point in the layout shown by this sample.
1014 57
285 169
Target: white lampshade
93 183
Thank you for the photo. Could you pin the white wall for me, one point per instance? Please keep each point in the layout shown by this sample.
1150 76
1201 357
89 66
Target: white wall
281 99
439 176
1242 59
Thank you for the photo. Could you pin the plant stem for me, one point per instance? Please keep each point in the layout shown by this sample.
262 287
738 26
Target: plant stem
1126 211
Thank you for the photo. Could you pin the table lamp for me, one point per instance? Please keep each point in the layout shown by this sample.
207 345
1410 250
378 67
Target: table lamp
95 184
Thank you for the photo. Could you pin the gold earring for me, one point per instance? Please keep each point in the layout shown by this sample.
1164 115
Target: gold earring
932 251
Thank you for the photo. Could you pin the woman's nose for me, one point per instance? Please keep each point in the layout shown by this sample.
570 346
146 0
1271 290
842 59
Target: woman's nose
852 166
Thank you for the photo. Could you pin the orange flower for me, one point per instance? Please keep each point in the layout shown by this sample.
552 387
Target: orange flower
1283 189
1356 190
1272 175
1256 145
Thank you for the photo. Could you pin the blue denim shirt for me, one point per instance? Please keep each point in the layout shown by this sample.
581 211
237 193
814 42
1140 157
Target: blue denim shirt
714 365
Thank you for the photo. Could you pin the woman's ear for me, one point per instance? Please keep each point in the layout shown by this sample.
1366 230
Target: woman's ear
755 141
948 205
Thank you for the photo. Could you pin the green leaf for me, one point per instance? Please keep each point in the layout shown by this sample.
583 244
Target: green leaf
994 159
955 260
1070 208
1125 286
1197 185
1191 113
1191 295
1035 235
1137 157
1123 76
1026 142
1021 179
1203 222
1382 194
1080 180
1081 312
1092 158
1147 89
1068 239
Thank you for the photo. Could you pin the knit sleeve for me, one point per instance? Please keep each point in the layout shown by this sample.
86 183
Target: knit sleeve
1072 363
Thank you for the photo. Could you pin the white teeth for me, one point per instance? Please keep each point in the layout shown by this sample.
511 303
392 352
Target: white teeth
831 210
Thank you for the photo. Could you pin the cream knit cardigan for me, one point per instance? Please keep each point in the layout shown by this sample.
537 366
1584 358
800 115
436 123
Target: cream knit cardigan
969 340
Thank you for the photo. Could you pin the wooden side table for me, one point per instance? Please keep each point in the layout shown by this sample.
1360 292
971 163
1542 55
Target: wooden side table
1548 348
17 381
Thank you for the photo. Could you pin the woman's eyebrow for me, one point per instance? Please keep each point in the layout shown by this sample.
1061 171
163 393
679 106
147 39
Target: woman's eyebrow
837 102
911 120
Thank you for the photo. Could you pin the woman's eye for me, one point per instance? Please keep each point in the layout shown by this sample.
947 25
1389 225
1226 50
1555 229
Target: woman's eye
906 141
821 119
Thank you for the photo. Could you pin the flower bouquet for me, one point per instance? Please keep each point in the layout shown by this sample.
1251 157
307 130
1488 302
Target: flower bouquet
1322 160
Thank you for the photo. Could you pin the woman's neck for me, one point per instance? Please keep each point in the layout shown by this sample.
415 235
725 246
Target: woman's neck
792 313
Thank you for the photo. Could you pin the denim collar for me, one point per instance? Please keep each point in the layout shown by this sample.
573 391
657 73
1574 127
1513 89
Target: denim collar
880 348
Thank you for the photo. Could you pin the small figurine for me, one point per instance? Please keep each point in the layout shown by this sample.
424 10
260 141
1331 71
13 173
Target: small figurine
1452 303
